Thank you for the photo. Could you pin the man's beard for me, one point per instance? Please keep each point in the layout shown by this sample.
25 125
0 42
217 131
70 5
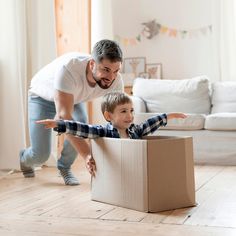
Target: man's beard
99 82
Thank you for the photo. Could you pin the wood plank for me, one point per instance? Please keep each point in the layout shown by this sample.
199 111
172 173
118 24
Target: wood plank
80 206
203 174
123 214
73 226
45 206
203 177
210 213
180 216
89 209
14 233
219 209
156 217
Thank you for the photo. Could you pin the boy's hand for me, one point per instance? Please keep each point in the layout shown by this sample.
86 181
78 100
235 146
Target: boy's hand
90 165
48 123
176 115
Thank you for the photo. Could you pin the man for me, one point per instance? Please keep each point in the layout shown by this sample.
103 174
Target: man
59 90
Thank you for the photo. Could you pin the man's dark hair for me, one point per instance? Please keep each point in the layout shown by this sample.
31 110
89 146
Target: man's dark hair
107 49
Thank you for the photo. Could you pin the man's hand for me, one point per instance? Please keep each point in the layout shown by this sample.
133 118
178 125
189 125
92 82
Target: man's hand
90 165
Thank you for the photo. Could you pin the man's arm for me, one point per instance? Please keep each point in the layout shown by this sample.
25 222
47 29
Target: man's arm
64 106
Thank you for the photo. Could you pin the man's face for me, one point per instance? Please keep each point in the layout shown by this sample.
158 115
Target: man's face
105 73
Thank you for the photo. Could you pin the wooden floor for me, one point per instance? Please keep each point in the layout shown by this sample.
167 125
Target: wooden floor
44 206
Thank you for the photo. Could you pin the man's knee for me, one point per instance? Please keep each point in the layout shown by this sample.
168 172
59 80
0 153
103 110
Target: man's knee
41 156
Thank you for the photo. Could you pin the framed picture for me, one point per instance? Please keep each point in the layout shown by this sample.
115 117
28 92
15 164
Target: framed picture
128 78
135 65
154 70
144 75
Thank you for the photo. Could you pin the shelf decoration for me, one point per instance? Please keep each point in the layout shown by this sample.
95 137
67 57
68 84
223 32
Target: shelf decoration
134 65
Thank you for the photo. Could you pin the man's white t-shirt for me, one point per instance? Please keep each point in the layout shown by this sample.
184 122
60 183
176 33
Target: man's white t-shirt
68 74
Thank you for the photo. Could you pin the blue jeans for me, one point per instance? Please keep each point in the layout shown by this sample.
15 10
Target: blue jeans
40 138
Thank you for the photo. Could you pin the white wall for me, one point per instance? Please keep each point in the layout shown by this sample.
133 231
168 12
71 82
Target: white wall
101 28
180 57
101 22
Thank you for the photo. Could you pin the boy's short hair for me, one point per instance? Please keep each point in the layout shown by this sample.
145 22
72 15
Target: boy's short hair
107 49
113 99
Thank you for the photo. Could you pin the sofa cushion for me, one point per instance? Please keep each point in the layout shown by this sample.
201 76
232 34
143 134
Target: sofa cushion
221 121
192 122
223 97
188 95
138 104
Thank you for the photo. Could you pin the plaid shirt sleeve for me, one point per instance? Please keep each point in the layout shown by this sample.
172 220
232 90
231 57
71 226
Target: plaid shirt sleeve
79 129
151 124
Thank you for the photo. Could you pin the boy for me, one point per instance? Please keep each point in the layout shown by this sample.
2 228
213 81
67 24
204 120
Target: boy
117 109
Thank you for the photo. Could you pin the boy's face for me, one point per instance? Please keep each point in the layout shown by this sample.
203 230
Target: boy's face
122 116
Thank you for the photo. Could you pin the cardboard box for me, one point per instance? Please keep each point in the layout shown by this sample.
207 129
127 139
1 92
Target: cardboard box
152 174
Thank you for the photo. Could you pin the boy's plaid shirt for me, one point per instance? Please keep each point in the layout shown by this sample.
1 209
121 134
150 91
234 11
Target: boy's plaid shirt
95 131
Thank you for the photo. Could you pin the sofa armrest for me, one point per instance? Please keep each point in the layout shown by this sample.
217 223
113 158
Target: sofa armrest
139 104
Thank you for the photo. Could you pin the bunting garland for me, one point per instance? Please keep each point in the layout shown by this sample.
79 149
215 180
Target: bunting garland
152 29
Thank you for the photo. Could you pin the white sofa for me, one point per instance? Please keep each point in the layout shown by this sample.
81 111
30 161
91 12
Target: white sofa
211 109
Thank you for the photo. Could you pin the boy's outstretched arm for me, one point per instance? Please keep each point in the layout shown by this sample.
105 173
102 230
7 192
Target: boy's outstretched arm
154 122
48 123
75 128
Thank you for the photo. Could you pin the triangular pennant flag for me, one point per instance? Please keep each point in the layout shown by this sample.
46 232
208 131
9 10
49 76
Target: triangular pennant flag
138 38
